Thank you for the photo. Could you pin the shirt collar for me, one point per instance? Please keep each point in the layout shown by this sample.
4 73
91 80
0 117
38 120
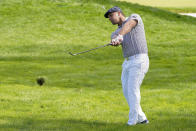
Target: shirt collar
123 22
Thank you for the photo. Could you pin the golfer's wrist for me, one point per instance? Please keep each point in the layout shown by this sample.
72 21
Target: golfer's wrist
120 37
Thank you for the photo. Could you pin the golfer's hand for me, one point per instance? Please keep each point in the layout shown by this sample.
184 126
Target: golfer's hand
117 40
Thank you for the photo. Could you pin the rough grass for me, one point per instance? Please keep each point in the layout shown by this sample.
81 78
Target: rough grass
178 6
84 92
165 3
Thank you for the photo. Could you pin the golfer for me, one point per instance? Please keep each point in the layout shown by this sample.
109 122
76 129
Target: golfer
131 35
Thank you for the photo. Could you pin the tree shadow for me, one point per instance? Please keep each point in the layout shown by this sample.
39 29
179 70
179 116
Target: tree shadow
162 123
58 124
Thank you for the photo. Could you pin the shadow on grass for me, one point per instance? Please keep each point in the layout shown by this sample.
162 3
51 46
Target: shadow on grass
58 124
166 123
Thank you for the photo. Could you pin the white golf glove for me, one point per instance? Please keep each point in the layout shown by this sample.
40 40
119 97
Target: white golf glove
117 40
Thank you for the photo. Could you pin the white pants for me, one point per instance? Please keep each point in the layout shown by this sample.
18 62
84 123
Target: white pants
134 69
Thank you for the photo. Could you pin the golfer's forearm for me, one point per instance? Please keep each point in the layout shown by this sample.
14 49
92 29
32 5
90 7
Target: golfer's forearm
127 27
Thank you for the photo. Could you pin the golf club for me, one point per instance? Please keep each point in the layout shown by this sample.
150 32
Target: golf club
89 50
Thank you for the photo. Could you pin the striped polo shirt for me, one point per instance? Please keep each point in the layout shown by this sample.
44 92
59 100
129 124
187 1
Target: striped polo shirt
134 42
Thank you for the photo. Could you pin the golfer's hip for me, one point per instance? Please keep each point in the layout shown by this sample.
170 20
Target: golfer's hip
137 57
136 63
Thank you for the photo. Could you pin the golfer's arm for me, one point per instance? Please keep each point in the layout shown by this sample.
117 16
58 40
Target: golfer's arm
128 26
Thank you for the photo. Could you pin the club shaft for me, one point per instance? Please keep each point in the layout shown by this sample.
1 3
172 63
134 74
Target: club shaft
92 49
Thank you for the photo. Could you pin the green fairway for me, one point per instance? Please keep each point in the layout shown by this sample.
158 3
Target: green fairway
84 92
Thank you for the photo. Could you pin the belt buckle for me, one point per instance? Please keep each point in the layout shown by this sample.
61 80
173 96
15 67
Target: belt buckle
127 58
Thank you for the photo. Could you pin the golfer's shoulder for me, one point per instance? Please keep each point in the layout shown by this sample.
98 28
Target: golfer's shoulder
135 16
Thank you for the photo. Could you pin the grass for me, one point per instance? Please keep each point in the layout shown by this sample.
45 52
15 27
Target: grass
179 6
165 3
84 92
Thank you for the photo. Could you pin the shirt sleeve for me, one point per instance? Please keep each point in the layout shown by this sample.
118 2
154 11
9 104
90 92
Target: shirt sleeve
135 17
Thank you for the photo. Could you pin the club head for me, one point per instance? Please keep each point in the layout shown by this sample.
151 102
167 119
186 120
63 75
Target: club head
72 54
